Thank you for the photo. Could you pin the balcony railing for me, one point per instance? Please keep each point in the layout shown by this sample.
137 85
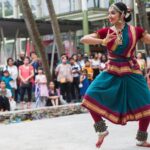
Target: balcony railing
68 6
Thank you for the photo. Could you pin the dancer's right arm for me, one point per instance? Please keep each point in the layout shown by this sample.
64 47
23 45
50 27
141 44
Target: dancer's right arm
93 38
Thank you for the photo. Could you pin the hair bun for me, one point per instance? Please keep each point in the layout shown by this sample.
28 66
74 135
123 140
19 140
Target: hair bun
127 14
129 10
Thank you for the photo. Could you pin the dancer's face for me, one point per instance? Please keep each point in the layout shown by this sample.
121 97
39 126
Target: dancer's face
113 16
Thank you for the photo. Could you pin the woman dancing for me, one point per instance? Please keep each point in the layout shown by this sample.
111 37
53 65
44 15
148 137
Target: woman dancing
119 94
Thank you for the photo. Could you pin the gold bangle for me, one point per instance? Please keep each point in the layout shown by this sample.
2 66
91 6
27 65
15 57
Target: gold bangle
104 42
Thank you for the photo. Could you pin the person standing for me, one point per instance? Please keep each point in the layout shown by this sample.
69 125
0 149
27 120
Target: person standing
119 94
84 82
18 63
95 63
35 62
75 91
64 77
103 63
41 89
7 79
26 74
13 71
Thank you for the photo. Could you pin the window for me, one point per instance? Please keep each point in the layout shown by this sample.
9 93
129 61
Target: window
23 45
98 3
8 8
9 49
44 9
1 9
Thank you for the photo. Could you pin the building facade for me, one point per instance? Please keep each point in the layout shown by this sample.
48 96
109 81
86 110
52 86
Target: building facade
66 9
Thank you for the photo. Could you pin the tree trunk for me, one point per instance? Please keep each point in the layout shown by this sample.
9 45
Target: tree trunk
55 27
143 18
35 35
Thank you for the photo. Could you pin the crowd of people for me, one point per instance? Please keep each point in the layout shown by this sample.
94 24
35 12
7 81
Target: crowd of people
23 80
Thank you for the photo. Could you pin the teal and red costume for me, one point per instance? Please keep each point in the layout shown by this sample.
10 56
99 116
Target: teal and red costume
120 94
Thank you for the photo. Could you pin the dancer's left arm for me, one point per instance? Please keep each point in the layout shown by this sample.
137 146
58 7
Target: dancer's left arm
146 38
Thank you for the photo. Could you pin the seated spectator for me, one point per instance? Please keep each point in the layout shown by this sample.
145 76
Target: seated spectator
84 83
5 97
54 96
7 102
41 90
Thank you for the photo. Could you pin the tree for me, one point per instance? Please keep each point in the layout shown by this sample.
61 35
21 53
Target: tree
143 18
55 27
35 35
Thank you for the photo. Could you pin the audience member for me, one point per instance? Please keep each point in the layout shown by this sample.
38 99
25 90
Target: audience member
65 78
41 90
54 95
26 74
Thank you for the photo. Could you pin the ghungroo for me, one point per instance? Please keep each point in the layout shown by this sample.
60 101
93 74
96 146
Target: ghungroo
141 136
100 126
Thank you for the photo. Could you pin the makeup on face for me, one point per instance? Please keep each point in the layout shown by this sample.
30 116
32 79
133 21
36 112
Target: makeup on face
113 15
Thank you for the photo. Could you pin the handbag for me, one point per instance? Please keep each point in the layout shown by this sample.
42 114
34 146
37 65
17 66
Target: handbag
25 85
63 80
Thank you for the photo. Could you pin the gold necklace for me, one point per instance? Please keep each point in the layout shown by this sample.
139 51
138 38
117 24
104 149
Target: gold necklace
119 40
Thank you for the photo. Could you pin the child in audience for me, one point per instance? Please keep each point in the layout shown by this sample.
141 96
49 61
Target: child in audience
84 83
6 78
41 90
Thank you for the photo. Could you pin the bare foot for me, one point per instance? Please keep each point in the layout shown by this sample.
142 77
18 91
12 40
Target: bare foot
101 139
145 144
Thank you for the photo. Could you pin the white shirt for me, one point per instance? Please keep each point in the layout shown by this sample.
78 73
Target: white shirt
81 63
64 71
8 93
75 70
95 63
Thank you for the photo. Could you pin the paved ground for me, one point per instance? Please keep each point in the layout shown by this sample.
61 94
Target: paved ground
65 133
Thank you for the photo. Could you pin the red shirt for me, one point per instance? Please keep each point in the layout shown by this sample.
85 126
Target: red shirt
26 71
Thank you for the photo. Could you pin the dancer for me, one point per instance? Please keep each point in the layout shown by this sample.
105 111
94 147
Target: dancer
119 94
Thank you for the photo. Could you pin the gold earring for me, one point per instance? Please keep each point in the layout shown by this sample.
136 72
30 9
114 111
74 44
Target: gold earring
120 20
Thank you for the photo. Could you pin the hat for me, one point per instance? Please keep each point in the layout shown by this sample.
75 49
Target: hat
5 71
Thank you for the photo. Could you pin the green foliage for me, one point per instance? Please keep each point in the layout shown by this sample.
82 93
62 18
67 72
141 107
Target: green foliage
111 1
